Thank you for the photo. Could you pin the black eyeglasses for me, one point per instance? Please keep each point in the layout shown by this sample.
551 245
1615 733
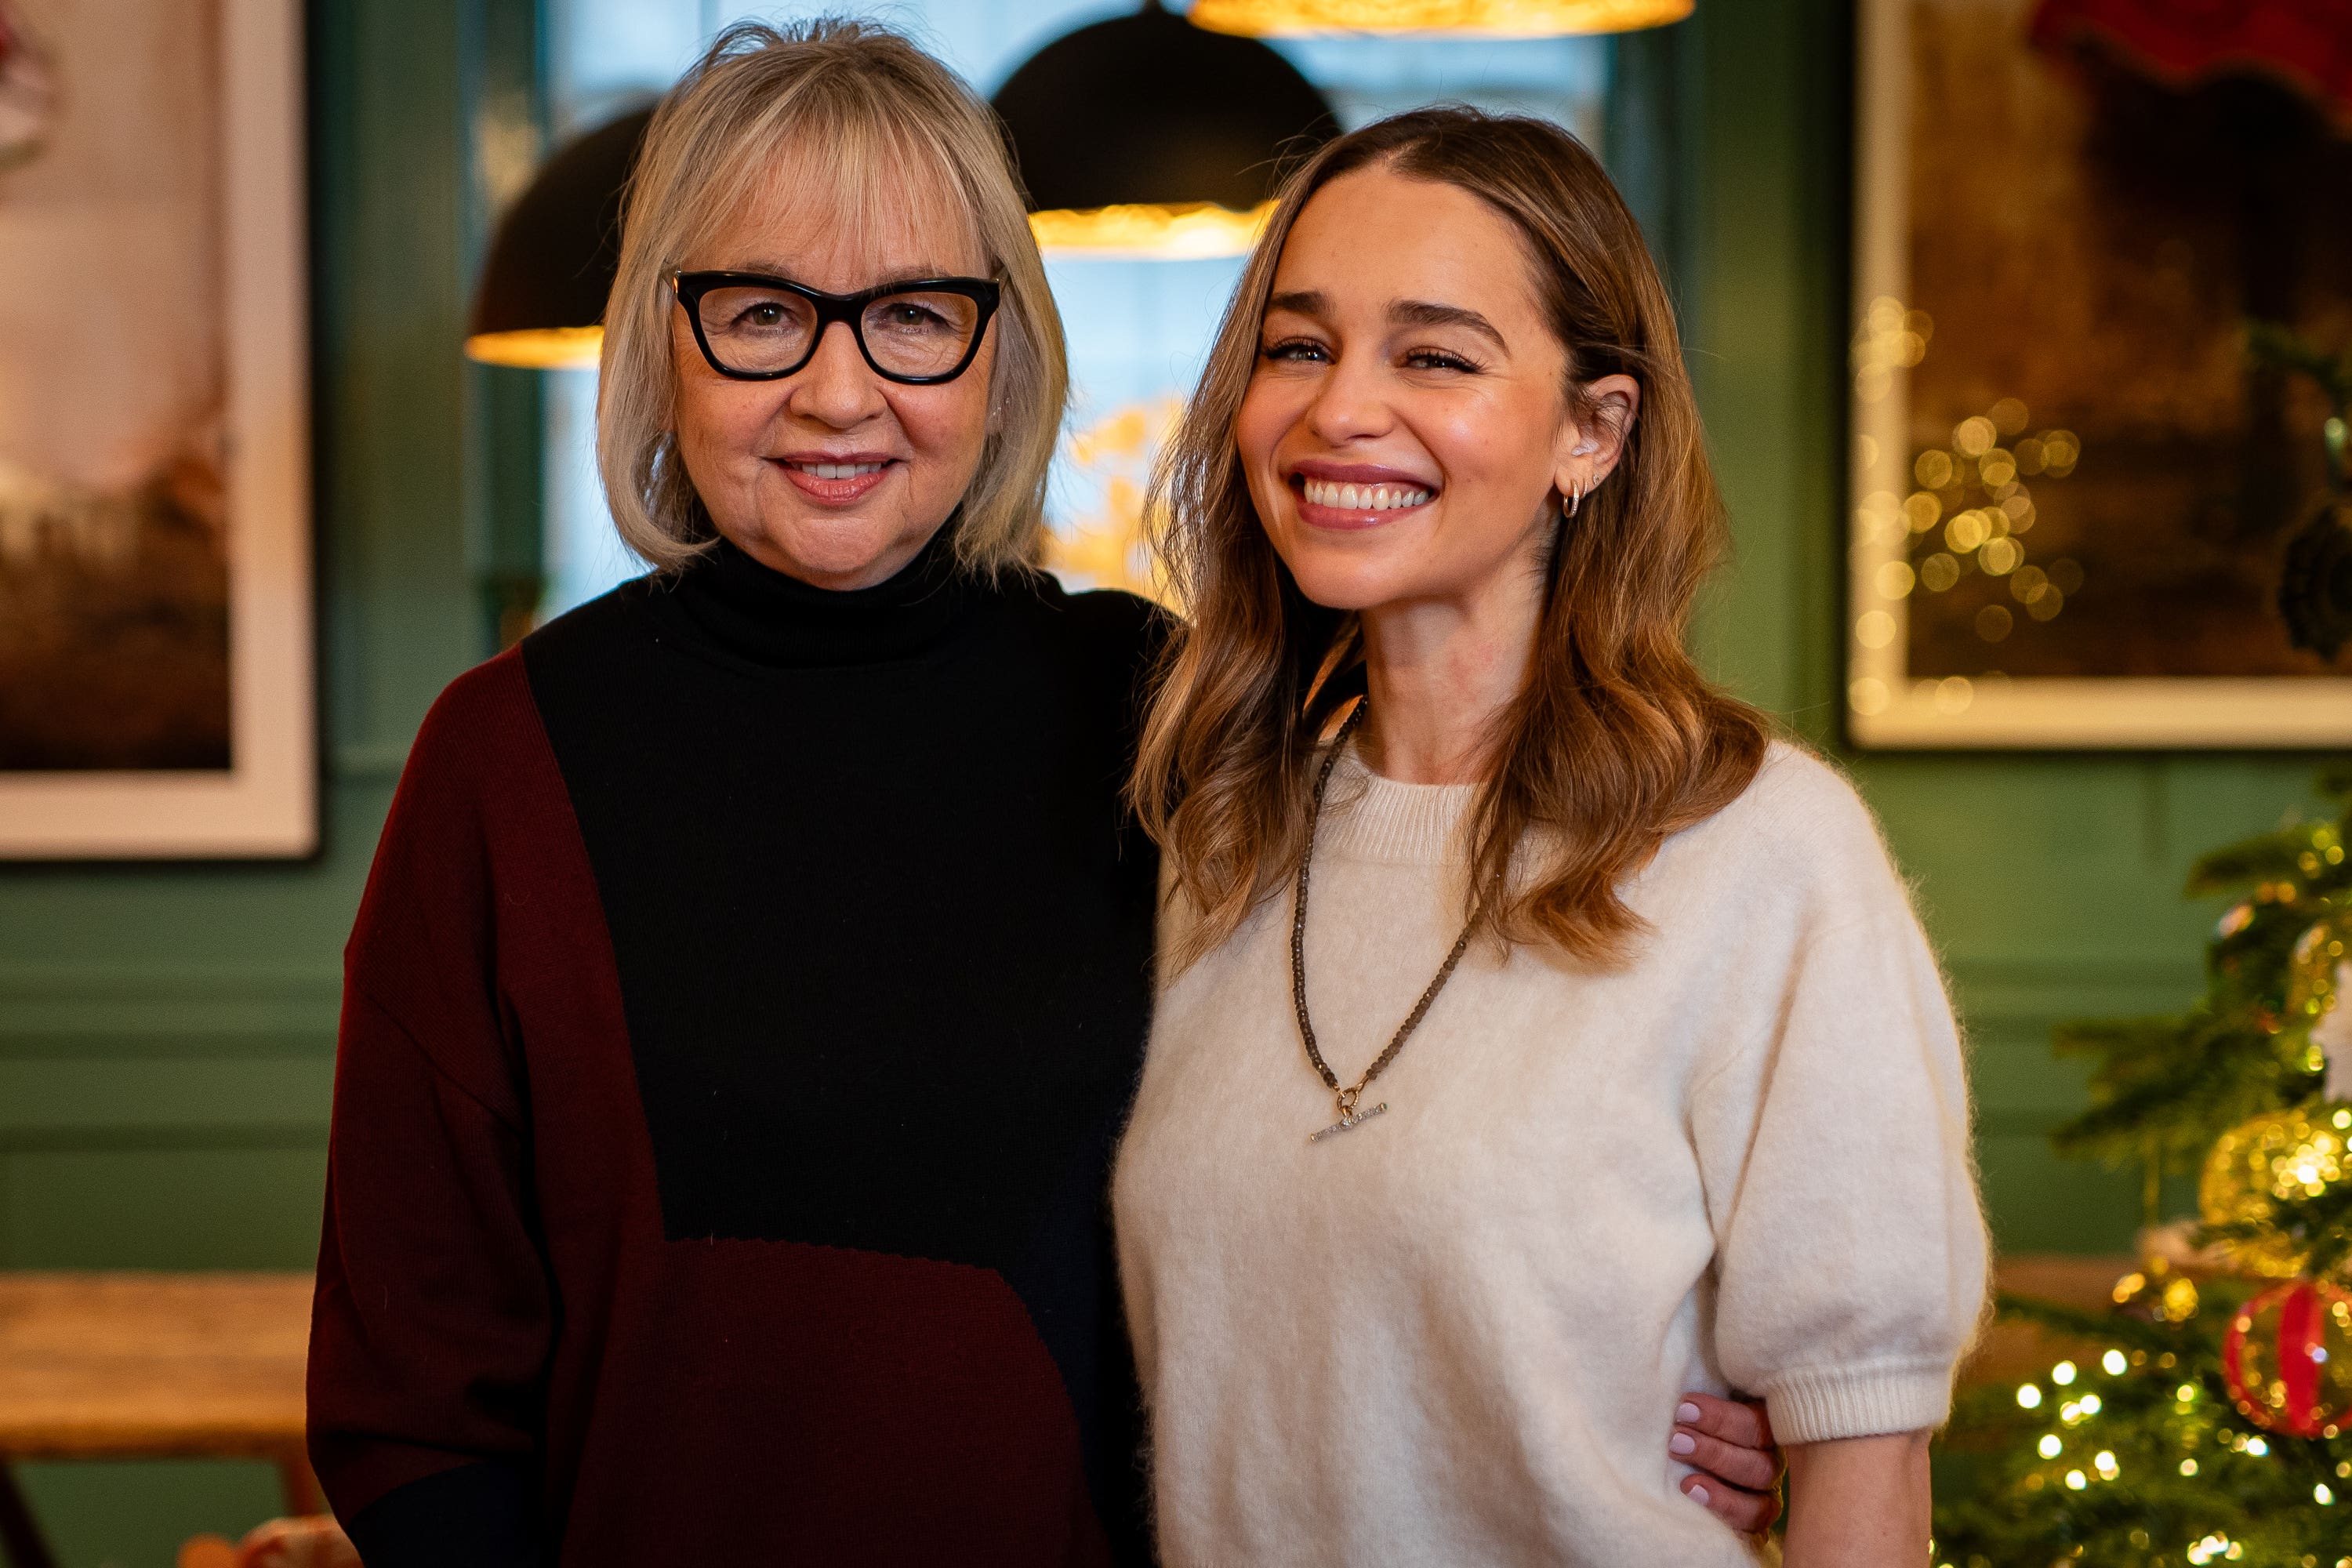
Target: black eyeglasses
754 327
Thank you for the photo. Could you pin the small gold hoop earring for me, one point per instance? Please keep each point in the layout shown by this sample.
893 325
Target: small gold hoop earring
1575 496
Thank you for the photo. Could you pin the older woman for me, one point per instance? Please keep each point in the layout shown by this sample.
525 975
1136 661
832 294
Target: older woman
755 965
1607 1058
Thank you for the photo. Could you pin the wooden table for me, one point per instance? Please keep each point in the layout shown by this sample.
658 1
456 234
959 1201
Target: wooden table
118 1366
144 1366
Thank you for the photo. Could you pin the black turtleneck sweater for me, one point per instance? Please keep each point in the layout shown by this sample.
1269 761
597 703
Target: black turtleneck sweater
746 992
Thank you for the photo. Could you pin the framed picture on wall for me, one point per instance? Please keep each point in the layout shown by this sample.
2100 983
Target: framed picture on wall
157 685
2102 341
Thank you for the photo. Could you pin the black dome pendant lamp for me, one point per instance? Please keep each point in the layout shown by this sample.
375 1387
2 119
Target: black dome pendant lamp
540 300
1142 135
1145 135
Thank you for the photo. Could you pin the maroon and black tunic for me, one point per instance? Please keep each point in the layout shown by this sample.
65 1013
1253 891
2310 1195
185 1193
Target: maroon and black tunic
746 996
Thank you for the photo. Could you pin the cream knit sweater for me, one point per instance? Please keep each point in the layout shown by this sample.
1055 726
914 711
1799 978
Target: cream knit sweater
1455 1334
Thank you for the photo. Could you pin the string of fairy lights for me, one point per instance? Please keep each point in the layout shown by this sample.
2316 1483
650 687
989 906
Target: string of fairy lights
1969 515
2261 1418
2079 1454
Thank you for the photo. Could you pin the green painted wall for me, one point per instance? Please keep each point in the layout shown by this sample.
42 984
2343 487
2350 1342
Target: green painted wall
2050 883
166 1032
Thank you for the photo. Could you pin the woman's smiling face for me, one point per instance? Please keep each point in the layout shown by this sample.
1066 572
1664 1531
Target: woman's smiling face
1407 433
833 474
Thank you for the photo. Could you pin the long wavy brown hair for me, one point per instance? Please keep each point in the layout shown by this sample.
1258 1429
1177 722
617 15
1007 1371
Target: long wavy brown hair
1617 739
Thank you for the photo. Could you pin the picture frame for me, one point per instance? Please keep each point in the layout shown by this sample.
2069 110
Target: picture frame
2177 647
260 800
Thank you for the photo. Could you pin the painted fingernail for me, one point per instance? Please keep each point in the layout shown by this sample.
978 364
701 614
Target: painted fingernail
1682 1443
1687 1412
1698 1496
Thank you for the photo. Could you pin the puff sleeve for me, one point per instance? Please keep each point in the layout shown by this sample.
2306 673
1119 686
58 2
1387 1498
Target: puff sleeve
1835 1150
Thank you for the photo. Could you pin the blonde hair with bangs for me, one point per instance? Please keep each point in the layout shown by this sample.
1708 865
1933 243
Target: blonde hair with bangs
872 113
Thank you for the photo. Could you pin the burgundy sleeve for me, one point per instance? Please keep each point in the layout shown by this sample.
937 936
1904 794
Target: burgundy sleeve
431 1329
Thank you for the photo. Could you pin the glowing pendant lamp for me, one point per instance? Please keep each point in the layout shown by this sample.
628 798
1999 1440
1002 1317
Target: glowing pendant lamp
1486 18
1144 136
541 303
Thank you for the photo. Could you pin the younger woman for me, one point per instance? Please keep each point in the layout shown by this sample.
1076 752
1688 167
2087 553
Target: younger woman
1606 1059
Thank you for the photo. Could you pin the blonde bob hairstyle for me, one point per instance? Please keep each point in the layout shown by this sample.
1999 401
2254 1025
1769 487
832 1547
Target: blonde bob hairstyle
1616 742
881 123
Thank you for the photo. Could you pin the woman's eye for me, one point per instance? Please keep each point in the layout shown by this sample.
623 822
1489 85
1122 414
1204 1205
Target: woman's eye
1294 349
757 316
1436 359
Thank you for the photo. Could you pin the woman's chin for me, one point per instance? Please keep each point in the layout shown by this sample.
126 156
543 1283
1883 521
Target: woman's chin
833 552
1348 582
1354 560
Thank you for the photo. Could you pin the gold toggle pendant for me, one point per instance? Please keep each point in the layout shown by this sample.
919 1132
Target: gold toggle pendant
1348 1118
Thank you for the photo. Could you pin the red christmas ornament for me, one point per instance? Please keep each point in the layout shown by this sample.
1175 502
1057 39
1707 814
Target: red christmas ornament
2287 1359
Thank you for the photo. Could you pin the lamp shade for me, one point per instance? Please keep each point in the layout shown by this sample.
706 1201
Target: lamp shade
1484 19
541 301
1144 135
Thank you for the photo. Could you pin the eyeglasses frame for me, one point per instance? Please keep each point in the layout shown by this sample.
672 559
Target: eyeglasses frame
689 288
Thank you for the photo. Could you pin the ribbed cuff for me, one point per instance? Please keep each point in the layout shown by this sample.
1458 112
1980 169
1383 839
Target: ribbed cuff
1816 1405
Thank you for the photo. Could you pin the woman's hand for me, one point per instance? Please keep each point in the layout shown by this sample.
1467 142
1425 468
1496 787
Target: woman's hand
1730 1441
1858 1502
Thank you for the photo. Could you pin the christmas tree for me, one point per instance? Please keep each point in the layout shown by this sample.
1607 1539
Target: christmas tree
2211 1420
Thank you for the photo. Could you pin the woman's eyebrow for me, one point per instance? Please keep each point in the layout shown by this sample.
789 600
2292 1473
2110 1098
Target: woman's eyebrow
1301 302
1428 313
915 272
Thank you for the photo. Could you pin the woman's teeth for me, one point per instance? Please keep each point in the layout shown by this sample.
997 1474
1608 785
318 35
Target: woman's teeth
838 471
1363 497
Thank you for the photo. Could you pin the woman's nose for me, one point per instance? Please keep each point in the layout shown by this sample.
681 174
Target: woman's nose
836 387
1349 404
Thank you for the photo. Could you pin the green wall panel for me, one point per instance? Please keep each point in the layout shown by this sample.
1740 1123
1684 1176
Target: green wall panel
2043 1204
180 1010
50 1100
136 1515
205 1206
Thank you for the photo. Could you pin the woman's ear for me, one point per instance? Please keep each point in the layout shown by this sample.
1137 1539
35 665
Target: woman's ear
1590 448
